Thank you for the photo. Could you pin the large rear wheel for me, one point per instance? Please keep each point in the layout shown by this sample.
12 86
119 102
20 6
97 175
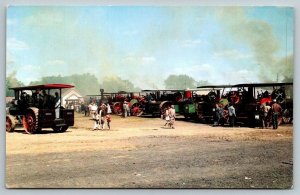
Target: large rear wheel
10 123
60 129
30 121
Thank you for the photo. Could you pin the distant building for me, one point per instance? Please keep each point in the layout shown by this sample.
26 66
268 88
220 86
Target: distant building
71 98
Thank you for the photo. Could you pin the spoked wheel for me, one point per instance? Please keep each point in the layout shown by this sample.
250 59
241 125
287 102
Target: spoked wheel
163 106
136 110
117 108
60 129
10 123
30 121
286 116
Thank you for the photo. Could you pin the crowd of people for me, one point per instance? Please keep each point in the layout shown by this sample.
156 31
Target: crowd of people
102 116
41 99
268 114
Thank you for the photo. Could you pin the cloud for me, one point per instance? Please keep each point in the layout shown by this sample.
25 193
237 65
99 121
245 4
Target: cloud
148 59
190 43
56 63
257 35
30 67
45 18
14 44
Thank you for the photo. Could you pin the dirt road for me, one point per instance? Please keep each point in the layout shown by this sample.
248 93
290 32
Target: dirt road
142 153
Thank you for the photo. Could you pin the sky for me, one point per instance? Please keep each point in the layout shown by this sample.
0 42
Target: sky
146 44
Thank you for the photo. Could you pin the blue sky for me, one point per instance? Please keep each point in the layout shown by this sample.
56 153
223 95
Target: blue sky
223 45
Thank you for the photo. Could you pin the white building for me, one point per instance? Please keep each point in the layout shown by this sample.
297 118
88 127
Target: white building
71 98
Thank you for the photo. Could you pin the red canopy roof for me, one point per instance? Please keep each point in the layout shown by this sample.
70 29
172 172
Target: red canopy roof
46 86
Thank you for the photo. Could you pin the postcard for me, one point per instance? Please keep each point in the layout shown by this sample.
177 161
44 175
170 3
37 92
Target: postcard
176 97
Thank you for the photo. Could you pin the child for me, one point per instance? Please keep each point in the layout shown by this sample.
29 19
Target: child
167 116
101 116
108 120
96 118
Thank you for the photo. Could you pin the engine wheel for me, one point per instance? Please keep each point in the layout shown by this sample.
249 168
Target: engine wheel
163 106
30 121
117 108
136 110
60 129
286 116
10 123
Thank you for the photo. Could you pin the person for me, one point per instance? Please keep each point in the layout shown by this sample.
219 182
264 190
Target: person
93 109
57 105
24 99
167 116
108 109
126 109
216 115
102 114
96 118
37 98
107 116
232 115
267 111
276 110
46 99
264 115
90 109
172 115
219 115
108 120
82 109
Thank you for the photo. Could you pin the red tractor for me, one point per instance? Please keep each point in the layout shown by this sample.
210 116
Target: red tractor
154 102
37 107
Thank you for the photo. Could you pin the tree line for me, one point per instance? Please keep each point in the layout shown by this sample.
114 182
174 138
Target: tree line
88 84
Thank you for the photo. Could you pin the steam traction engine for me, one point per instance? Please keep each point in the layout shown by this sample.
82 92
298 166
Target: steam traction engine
154 102
35 113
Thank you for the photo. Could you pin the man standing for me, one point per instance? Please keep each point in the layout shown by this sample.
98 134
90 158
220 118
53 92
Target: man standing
57 105
38 98
232 115
126 109
276 110
264 115
172 116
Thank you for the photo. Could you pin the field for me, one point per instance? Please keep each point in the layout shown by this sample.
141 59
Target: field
139 152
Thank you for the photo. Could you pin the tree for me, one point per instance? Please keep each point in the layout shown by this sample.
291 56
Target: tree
180 82
84 83
115 84
202 82
12 81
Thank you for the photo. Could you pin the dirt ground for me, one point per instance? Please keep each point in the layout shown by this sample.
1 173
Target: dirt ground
139 152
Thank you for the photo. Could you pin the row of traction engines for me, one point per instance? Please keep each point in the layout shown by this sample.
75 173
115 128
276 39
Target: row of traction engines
247 99
200 104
